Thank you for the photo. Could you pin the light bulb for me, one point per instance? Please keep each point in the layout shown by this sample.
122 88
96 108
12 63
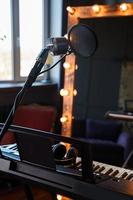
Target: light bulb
96 8
66 36
123 7
76 67
64 92
66 65
59 197
70 10
63 119
75 92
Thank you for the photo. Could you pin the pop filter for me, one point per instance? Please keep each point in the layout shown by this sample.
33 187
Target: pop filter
81 40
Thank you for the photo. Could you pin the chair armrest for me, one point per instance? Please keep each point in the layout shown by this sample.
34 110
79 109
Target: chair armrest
124 140
107 152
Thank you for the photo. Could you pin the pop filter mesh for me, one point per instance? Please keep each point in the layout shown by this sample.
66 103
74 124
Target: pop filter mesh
82 40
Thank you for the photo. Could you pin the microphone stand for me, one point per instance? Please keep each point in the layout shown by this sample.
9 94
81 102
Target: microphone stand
40 61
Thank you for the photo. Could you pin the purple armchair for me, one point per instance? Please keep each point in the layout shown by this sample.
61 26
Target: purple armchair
110 144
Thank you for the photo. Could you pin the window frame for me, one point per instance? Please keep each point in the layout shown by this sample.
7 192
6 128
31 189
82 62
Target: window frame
15 42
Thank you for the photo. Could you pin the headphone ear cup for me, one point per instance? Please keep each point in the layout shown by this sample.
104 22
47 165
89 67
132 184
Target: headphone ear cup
63 158
59 151
72 153
70 159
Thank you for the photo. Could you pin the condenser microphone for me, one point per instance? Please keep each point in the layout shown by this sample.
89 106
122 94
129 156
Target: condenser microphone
81 40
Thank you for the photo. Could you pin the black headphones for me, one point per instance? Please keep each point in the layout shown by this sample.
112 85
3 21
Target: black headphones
64 157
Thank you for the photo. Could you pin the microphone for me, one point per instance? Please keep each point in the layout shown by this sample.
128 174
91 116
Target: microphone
81 40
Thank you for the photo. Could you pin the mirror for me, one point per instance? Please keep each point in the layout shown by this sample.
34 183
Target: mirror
104 81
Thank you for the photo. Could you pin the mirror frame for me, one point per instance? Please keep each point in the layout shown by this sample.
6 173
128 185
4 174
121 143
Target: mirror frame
74 15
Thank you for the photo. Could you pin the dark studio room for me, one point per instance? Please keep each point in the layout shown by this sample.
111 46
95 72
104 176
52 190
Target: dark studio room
66 100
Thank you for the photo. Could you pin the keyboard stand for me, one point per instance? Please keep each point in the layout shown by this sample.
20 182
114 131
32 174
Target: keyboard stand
28 192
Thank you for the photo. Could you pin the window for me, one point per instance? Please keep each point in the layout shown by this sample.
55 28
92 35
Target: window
30 33
21 37
5 41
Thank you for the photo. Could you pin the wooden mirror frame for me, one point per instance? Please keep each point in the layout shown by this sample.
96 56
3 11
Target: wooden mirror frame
74 14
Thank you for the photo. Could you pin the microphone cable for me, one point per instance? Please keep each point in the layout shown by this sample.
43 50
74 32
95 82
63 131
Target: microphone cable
51 67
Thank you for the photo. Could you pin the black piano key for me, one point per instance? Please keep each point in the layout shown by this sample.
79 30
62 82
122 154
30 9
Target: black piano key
10 146
96 167
109 171
124 175
14 148
130 176
101 169
115 173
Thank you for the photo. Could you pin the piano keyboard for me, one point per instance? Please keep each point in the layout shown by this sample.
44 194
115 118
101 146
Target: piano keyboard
112 171
11 151
109 170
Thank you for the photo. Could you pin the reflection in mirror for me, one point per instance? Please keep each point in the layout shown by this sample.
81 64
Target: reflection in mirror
104 81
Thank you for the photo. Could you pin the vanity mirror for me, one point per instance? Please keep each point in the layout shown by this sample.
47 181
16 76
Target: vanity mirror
103 81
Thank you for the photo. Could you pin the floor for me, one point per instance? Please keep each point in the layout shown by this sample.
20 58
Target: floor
17 193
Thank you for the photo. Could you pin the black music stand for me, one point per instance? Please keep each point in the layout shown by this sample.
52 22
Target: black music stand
39 141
